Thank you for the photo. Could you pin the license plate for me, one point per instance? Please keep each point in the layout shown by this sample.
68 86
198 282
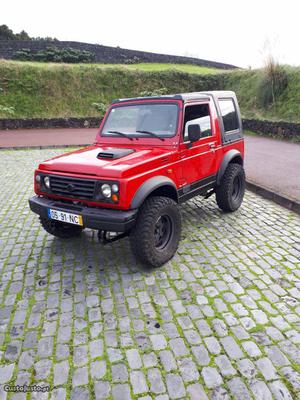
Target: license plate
65 217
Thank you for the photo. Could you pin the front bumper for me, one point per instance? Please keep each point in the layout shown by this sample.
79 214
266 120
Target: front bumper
94 218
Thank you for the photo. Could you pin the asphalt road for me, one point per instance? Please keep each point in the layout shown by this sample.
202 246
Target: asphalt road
46 137
221 320
272 164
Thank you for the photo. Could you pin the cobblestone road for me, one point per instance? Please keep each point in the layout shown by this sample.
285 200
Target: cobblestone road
220 321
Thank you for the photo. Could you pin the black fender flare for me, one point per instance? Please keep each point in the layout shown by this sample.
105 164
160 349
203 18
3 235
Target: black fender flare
229 156
148 187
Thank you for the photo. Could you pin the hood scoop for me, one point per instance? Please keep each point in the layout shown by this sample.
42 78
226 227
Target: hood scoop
114 153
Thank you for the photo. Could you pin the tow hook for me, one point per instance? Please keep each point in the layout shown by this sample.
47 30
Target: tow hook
208 194
106 237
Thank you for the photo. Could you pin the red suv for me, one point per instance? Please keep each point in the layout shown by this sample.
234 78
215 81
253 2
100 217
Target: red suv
150 154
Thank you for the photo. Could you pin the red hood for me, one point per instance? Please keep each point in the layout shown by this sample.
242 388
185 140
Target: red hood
85 161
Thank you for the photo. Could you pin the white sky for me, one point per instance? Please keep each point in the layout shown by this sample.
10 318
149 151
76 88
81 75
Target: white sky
230 31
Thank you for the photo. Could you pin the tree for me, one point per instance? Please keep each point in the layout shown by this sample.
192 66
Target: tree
23 36
6 33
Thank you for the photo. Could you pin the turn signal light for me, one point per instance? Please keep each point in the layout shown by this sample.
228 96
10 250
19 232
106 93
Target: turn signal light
115 198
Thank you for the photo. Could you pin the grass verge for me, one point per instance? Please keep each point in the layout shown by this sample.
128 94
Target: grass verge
49 90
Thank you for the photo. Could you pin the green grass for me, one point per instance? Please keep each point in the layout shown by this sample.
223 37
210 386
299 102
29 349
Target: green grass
245 83
148 67
257 328
189 68
50 90
64 90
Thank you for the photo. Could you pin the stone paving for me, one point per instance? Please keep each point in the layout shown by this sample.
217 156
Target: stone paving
220 321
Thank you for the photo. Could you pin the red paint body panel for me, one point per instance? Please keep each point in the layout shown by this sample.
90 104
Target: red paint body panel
172 158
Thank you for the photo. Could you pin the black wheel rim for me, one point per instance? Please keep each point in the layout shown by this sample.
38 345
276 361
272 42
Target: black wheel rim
162 232
236 188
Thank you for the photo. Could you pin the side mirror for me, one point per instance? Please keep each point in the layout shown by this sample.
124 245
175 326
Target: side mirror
194 132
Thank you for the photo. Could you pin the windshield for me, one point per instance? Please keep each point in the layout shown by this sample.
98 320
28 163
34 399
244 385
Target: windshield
142 120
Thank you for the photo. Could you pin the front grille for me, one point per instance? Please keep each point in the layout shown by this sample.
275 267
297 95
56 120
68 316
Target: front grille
72 187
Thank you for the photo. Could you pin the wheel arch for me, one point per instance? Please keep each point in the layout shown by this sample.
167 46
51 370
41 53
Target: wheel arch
156 186
232 156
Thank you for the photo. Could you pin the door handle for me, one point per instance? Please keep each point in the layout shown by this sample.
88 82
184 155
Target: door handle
212 145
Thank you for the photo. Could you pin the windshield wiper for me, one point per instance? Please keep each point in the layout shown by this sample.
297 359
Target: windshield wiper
121 134
152 134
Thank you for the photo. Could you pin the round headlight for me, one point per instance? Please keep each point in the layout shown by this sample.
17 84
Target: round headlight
106 190
47 182
115 188
38 178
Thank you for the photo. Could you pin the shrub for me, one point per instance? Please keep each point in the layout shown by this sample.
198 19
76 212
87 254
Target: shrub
126 60
6 110
55 54
100 107
272 84
154 92
134 60
23 55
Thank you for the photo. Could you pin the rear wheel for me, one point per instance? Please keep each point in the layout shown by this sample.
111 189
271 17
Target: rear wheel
155 237
230 193
60 229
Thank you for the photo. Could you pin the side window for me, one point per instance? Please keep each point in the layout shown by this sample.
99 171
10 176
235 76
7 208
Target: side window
229 115
197 114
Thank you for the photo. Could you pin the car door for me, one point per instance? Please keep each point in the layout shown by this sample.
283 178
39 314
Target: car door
198 159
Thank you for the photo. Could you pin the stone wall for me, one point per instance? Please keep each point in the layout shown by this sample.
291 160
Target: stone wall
105 54
43 123
281 129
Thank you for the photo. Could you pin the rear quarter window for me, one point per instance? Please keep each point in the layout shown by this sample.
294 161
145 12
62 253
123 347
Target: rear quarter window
229 115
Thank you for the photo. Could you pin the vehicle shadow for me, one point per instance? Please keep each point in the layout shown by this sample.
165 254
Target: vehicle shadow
117 256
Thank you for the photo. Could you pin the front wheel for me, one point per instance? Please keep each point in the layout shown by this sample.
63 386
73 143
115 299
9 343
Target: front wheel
230 193
155 237
60 229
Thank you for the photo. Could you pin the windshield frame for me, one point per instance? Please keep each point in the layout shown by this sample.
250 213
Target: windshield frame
136 137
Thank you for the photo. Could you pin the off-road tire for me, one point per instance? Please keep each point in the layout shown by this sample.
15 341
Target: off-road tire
143 237
230 193
60 229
